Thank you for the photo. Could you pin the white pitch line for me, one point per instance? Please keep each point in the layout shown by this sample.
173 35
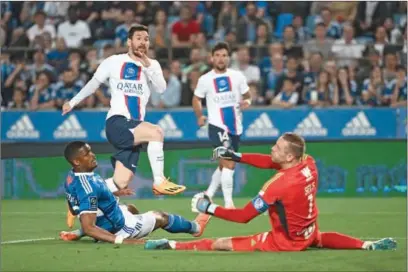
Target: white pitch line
27 240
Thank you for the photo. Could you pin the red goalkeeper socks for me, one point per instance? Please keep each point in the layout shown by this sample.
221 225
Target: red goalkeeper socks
203 244
337 240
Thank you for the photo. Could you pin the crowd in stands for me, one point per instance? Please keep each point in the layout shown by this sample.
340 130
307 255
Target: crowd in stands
292 53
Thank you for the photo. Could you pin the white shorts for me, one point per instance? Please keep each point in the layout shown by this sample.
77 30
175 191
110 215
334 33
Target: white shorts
136 225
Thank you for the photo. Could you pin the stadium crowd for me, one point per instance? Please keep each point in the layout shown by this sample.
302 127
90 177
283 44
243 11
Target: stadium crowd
309 53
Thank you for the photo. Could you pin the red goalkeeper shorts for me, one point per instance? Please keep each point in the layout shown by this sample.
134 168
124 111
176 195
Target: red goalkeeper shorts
271 241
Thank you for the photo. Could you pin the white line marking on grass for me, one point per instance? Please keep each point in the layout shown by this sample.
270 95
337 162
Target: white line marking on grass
27 240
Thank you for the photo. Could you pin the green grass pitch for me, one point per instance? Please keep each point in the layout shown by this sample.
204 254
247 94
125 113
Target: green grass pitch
370 218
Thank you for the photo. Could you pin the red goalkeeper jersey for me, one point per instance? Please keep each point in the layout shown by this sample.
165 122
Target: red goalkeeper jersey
290 195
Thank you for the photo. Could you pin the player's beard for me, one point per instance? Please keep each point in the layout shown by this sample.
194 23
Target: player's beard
221 67
141 49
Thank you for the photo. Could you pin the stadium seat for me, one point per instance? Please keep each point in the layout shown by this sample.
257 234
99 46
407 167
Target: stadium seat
283 20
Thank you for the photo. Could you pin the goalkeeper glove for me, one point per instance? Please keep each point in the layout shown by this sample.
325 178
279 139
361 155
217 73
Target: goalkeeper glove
202 203
225 153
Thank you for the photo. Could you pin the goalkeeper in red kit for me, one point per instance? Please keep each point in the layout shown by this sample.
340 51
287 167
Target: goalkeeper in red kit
290 199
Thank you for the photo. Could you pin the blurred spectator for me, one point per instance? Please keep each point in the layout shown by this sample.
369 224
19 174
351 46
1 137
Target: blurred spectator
19 100
74 31
399 88
289 43
227 19
320 43
188 88
175 69
370 14
40 65
196 63
324 93
256 97
272 77
251 72
58 57
292 73
265 64
248 24
55 11
302 32
347 88
205 13
347 49
381 39
78 67
371 59
333 28
172 96
41 95
159 31
40 27
185 30
390 66
67 88
288 97
313 69
373 88
263 35
121 32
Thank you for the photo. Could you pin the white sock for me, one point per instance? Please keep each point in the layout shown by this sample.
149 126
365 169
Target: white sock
366 244
156 158
215 183
172 244
111 185
227 183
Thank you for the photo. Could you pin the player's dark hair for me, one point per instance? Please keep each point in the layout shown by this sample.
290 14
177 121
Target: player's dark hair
72 149
297 145
136 28
220 46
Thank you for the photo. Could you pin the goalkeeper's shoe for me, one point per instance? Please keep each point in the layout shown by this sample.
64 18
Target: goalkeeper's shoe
157 244
70 219
383 244
202 220
168 188
69 236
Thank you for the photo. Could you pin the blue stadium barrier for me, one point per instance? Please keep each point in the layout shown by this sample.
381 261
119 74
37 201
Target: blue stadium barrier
179 125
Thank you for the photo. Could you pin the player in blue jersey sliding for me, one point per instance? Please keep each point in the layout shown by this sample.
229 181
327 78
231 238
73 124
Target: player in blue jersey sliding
88 194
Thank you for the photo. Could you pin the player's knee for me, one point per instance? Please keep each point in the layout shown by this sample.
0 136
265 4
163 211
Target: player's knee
158 133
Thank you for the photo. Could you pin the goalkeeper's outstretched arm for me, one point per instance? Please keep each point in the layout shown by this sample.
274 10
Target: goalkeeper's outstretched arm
202 203
254 159
259 160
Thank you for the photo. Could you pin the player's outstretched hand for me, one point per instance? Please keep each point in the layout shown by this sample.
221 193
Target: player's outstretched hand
66 108
143 59
200 203
225 153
